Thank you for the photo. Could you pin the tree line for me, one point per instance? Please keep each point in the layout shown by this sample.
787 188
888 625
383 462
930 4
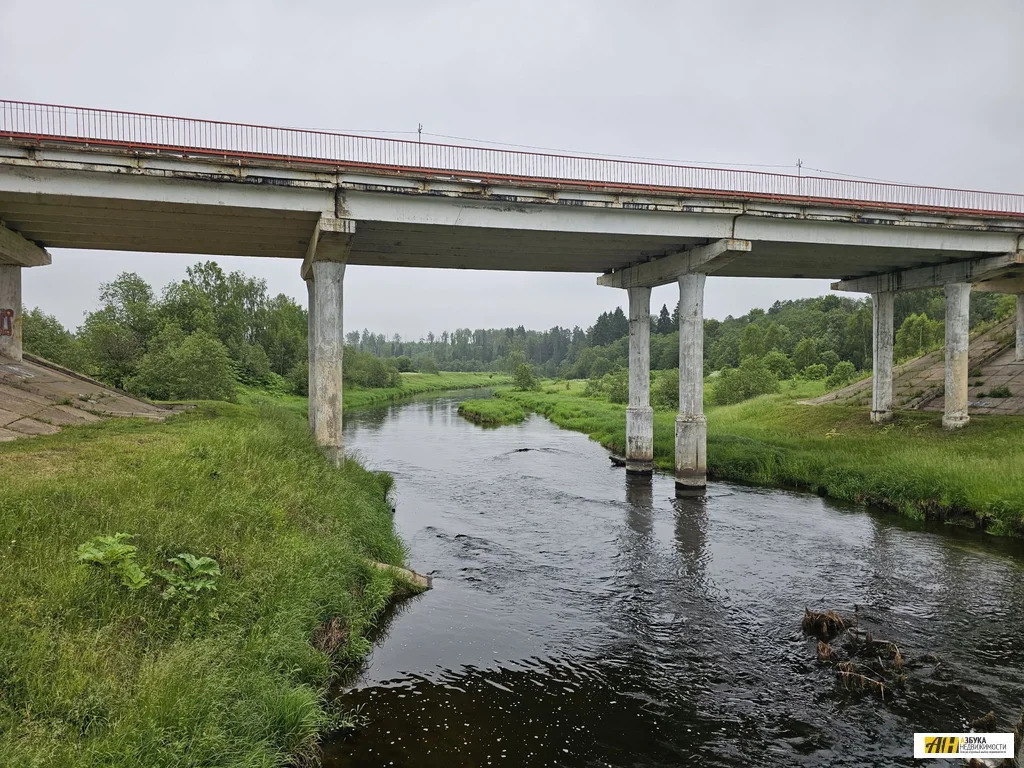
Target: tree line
201 335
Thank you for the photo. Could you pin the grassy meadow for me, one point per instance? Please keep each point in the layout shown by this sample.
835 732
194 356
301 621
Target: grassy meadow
94 672
492 412
912 466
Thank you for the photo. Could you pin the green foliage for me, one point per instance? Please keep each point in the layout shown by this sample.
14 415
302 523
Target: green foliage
404 364
369 371
44 336
779 364
805 354
816 372
751 379
426 364
665 392
191 577
842 375
492 412
918 334
298 378
253 365
524 378
182 367
114 555
93 679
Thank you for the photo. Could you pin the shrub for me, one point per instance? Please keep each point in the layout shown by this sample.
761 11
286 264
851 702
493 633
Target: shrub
426 364
815 372
253 365
665 392
751 379
779 364
179 367
403 364
371 372
523 377
842 374
298 378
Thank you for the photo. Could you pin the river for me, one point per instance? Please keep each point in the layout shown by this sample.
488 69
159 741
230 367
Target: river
582 618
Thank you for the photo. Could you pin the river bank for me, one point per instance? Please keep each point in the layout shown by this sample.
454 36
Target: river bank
101 664
912 466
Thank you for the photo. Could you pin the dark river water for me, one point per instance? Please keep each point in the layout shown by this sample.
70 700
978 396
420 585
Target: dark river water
581 618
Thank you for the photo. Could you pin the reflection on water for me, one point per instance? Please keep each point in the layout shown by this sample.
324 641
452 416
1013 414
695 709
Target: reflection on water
583 617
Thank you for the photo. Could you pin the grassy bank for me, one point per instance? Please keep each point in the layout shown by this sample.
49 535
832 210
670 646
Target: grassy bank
492 412
912 466
93 673
412 384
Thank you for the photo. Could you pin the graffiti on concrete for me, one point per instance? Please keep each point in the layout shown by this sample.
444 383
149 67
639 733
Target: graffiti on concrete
6 322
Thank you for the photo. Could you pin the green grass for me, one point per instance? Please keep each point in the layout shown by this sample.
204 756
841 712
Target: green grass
912 466
92 674
412 384
492 412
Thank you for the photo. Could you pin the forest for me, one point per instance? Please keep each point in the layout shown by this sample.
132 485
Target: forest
206 333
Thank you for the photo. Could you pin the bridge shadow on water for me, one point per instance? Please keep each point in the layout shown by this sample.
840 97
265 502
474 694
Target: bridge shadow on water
582 617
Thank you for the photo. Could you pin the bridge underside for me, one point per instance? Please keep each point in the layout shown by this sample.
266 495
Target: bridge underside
328 218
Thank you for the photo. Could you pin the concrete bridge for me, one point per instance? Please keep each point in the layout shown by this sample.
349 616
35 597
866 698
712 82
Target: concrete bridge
84 178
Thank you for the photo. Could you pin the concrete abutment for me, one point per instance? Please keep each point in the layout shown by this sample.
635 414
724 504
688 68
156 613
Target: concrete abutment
10 312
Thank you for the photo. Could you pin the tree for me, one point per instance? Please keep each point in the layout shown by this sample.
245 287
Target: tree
664 322
180 367
752 342
665 392
43 335
805 354
776 362
916 335
842 375
523 377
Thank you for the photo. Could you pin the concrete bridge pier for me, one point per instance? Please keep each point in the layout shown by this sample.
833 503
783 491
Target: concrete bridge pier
328 353
882 339
958 305
691 426
10 311
1020 328
324 272
639 414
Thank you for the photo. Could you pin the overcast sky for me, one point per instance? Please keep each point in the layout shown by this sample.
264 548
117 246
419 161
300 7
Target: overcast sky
926 91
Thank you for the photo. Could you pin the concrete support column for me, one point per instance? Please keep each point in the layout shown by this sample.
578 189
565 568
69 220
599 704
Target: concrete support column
882 337
311 352
10 311
958 306
639 415
328 351
691 426
1020 328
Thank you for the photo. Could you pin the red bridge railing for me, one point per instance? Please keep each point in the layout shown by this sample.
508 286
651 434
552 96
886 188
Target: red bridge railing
145 132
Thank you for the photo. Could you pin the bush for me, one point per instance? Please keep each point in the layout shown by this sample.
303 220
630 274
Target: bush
815 372
403 364
179 367
253 365
298 378
368 371
842 374
829 359
665 392
779 364
751 379
523 377
426 364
